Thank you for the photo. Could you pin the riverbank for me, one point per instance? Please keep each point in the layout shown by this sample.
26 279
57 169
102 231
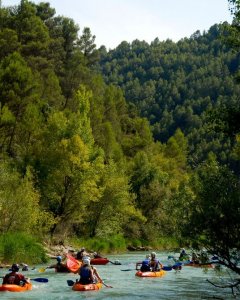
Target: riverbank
22 247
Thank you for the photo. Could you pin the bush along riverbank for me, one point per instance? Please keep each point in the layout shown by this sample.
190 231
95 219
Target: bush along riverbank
20 247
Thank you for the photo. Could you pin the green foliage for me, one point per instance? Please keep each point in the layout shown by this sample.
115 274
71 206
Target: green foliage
213 214
19 247
77 159
110 244
173 85
19 206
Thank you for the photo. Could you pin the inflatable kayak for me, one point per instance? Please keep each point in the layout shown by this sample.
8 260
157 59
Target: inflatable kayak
87 287
62 269
15 288
151 274
73 264
99 261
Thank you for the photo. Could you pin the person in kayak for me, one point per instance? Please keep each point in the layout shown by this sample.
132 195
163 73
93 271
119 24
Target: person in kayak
195 258
145 264
59 266
183 255
86 272
81 254
97 255
154 263
14 277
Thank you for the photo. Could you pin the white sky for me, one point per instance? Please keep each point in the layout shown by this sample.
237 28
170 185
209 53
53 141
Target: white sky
114 21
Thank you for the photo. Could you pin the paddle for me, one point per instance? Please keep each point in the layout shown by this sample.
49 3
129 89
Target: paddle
71 283
108 286
41 270
115 262
40 279
165 268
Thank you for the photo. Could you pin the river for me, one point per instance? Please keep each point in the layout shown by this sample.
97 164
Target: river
189 283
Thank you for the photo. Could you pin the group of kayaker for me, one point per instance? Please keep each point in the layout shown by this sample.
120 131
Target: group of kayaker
150 263
88 273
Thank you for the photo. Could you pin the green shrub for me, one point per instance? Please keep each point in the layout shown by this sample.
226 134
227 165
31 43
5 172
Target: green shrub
114 243
20 247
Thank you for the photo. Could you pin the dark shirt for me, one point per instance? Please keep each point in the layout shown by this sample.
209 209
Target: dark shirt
14 278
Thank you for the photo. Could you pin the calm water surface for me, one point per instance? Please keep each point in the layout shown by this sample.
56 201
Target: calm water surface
189 283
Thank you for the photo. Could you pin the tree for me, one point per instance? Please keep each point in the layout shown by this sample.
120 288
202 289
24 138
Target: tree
214 213
19 200
88 47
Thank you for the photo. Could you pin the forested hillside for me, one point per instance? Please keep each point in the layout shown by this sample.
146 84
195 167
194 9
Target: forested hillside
76 159
176 85
138 145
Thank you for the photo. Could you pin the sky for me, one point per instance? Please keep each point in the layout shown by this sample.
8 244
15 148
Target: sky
114 21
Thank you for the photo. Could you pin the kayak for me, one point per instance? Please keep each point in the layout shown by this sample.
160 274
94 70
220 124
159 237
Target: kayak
87 287
15 287
73 264
151 274
99 261
62 269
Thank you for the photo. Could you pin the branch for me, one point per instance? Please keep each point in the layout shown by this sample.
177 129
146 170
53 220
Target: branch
232 285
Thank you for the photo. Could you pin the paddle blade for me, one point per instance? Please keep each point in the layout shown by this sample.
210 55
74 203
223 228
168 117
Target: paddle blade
167 268
40 279
41 270
70 282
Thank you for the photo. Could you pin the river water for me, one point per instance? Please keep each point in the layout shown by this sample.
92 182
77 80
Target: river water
189 283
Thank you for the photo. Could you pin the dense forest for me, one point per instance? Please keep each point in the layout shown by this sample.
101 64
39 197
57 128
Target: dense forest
178 85
137 144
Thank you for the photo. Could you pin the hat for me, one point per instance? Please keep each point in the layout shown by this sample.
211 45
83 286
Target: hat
59 258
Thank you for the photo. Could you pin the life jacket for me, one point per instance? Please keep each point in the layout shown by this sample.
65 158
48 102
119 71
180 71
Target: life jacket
145 262
61 267
85 275
155 263
145 265
14 278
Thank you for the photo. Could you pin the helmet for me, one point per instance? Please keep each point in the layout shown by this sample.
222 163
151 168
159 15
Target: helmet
153 254
86 261
59 258
15 268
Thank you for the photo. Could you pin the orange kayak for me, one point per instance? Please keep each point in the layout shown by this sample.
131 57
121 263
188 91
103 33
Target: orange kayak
87 287
151 274
15 288
73 264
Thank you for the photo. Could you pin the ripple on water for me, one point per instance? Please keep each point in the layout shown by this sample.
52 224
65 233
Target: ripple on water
188 284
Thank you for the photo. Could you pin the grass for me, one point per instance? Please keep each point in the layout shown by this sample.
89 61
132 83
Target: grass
21 247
